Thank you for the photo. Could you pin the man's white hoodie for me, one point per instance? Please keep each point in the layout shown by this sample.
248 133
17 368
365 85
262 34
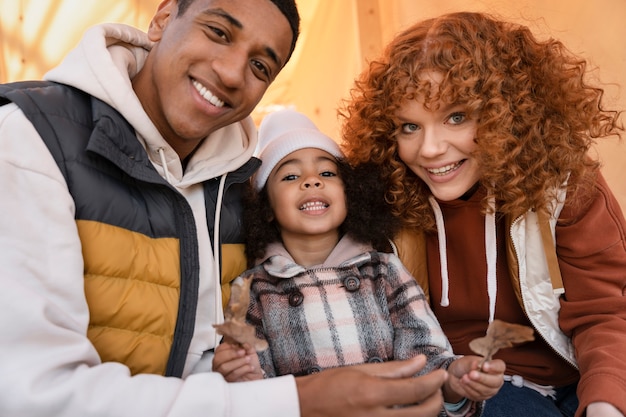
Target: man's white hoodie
48 367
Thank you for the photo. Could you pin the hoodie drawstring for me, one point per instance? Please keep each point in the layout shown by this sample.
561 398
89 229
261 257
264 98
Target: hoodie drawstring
219 313
490 249
166 173
443 252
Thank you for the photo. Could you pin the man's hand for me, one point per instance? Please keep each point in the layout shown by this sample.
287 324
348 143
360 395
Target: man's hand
237 363
379 390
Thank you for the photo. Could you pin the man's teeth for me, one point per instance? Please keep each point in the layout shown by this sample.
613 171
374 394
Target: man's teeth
314 205
445 170
208 96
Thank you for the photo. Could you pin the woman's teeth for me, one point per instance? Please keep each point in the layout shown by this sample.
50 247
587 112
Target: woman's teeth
208 96
446 169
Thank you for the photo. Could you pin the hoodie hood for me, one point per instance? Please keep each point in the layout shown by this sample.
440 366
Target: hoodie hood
103 65
279 263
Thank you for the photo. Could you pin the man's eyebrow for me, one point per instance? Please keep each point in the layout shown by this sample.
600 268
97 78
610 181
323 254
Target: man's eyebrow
272 54
219 12
224 15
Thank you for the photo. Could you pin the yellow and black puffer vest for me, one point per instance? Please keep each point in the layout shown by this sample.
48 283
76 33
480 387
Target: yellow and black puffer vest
142 294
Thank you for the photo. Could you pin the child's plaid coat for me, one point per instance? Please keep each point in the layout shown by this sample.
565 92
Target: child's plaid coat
359 306
364 308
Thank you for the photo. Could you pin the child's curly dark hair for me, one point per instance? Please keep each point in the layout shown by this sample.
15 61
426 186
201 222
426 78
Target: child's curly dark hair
369 218
537 116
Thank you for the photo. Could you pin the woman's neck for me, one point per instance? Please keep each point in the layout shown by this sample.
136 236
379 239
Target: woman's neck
469 193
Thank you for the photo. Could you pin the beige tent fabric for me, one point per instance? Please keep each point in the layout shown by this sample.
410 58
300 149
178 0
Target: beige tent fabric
337 37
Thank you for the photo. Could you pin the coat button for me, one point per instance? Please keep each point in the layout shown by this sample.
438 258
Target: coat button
352 283
375 359
314 370
295 298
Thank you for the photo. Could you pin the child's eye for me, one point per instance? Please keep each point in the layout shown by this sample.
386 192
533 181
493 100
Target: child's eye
290 177
328 174
409 127
456 118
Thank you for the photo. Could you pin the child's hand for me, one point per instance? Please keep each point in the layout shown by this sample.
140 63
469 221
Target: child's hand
237 364
474 383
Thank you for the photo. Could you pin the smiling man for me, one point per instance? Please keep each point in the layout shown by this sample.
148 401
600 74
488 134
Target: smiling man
120 230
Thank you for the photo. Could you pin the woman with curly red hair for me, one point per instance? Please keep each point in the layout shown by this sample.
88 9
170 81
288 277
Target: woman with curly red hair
482 134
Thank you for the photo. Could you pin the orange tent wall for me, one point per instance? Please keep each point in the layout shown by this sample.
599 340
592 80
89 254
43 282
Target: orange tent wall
338 36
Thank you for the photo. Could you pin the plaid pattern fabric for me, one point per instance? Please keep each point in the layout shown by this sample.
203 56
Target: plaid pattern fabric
367 309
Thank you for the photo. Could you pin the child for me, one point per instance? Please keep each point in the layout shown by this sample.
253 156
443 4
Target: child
481 133
320 295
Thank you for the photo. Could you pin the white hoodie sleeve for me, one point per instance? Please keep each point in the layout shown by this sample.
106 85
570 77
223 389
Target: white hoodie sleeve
48 367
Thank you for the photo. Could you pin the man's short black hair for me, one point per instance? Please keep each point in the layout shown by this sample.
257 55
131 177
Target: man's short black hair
290 10
287 7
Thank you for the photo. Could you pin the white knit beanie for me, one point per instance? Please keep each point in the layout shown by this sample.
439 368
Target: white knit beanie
283 132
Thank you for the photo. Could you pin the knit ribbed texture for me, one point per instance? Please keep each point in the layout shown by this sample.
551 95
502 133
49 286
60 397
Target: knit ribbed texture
286 131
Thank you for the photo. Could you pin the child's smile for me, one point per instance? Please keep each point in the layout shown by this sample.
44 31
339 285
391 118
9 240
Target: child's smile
314 206
307 195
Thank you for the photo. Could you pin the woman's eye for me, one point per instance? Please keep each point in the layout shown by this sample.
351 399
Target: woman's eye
456 118
409 127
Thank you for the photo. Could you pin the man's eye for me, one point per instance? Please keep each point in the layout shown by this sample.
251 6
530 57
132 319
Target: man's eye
261 71
219 32
261 67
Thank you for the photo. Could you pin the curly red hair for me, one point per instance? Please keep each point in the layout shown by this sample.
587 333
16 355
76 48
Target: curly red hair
537 117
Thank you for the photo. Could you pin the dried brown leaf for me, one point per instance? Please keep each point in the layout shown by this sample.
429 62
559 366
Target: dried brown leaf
239 301
500 335
235 329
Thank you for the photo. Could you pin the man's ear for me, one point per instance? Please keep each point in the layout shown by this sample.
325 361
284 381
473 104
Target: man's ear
160 19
